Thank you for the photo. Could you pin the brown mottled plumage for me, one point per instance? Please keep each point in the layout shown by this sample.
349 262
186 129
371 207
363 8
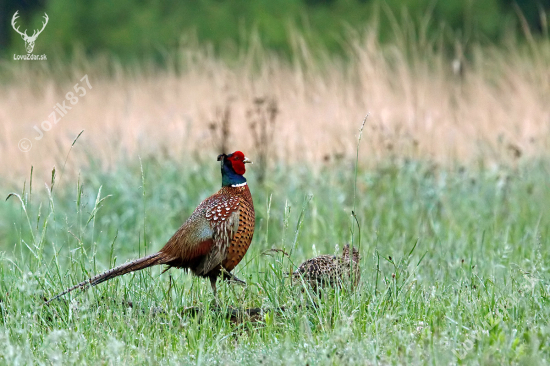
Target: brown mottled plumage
330 270
212 241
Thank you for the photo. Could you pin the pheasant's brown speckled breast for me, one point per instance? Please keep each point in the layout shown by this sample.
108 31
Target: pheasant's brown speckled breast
247 220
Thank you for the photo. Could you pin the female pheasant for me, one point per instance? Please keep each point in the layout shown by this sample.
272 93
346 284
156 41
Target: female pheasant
330 270
212 241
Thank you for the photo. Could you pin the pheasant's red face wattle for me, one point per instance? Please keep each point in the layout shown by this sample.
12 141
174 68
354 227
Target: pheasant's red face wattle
237 160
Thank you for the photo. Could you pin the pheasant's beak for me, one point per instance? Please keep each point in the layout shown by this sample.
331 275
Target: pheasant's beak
247 160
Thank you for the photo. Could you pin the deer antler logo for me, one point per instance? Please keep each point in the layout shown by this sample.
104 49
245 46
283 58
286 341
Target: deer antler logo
29 41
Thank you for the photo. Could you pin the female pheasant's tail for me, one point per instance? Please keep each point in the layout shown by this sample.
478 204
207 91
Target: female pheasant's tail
138 264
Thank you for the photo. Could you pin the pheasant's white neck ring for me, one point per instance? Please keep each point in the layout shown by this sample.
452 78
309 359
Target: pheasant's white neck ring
239 185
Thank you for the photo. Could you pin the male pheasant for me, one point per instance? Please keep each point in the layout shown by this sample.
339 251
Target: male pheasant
212 241
330 270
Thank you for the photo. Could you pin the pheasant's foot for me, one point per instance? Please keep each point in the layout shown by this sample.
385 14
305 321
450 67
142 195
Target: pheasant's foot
231 278
234 279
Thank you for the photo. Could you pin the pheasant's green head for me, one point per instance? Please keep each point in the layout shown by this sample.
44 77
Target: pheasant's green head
233 168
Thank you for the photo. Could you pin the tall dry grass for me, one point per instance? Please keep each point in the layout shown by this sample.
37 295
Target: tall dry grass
496 109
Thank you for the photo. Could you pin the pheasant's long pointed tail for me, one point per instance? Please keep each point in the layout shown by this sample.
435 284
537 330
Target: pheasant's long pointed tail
138 264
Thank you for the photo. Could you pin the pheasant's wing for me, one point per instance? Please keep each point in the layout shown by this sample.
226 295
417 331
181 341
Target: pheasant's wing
206 234
223 216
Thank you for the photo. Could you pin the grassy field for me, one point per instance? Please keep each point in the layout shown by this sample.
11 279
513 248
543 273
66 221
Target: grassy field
451 198
454 268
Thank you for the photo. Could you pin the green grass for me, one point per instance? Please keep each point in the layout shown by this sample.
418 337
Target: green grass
132 30
467 281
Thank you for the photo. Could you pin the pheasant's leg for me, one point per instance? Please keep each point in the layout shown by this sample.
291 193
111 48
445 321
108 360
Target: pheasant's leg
230 277
213 280
234 278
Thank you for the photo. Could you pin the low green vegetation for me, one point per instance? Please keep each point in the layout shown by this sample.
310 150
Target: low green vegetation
454 268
